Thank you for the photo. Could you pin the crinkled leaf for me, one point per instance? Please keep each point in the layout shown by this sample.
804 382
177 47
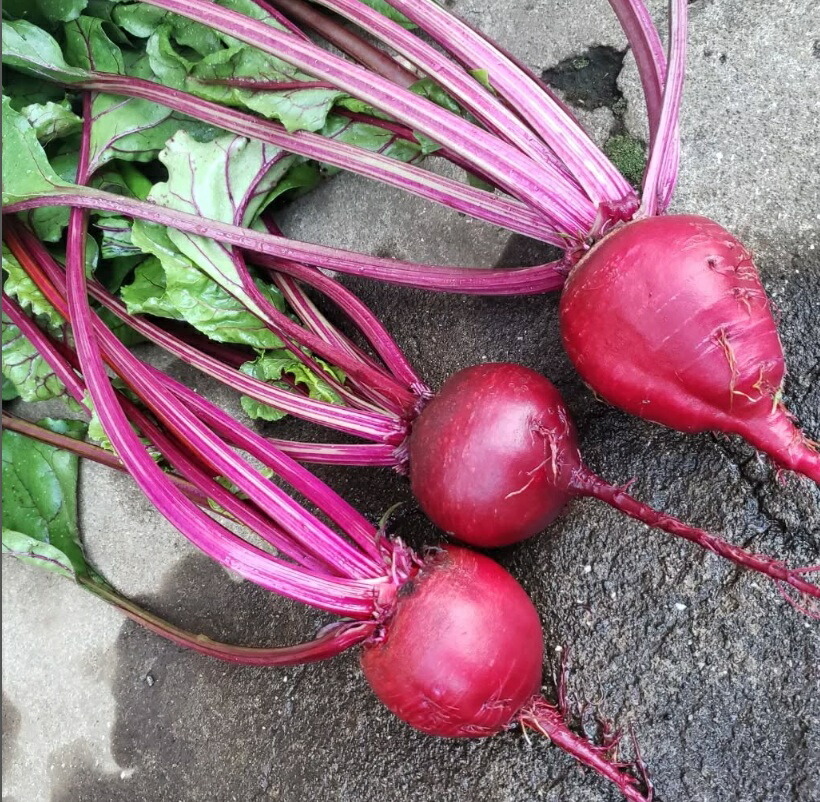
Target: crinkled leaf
172 287
89 47
231 180
52 120
188 56
44 12
19 285
212 311
30 49
142 21
9 390
49 222
25 90
116 237
146 292
296 109
26 170
369 137
26 369
40 501
271 366
111 273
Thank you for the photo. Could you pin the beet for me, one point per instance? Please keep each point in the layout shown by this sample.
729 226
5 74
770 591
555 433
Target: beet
666 318
462 653
494 458
483 465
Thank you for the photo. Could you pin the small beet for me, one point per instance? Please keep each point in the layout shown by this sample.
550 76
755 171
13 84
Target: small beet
494 458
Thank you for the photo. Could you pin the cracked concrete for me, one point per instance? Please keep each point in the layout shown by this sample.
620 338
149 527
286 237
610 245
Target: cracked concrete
716 672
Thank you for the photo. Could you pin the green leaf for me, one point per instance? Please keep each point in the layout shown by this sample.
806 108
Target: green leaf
40 501
388 11
26 369
188 56
146 292
116 237
212 311
296 109
9 390
19 285
271 366
369 137
44 11
26 170
111 273
171 286
30 49
49 222
52 120
221 181
89 47
483 77
26 90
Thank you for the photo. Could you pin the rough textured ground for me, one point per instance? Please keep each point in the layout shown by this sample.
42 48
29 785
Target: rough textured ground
719 676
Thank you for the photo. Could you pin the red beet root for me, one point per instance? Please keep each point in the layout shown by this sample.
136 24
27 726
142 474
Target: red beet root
494 458
667 319
462 654
481 462
461 657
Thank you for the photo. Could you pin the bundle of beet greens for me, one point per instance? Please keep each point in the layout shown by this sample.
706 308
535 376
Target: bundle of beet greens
147 147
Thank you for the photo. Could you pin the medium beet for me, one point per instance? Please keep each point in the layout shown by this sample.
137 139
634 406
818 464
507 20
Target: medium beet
667 319
461 656
462 653
494 458
492 455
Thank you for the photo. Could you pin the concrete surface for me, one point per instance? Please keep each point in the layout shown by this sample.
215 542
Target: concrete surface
718 675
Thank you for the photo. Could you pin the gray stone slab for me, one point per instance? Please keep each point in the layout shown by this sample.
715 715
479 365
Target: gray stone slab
718 675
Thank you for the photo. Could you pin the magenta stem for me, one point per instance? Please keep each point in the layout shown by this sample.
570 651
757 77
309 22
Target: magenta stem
45 347
256 85
238 509
501 211
587 164
186 424
647 49
361 424
589 484
348 42
469 281
373 381
541 186
662 167
339 596
331 642
358 454
462 86
356 310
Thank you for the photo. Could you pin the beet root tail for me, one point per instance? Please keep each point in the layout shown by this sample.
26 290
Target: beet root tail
631 779
778 437
592 485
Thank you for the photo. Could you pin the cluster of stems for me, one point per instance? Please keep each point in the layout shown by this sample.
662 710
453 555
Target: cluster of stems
547 179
